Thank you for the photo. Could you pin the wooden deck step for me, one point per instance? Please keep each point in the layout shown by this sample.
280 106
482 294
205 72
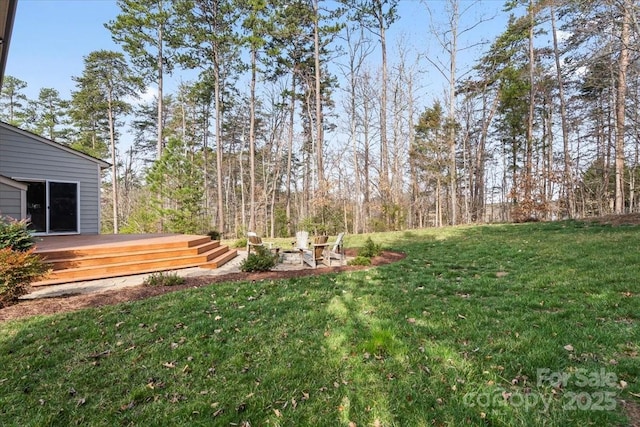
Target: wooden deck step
181 242
221 260
126 256
99 261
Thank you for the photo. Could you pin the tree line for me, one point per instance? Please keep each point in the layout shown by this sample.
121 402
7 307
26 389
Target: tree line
298 119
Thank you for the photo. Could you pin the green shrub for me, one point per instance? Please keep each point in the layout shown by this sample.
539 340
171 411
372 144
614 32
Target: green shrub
370 249
261 260
360 260
17 270
241 243
163 278
15 235
214 234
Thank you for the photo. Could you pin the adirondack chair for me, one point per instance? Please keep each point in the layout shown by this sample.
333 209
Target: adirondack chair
254 240
301 244
316 252
336 250
302 240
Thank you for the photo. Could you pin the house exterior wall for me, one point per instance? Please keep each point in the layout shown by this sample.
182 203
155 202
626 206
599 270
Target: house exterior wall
24 157
11 204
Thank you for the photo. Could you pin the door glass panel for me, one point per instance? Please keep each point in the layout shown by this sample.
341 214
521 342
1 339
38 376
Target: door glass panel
63 207
37 206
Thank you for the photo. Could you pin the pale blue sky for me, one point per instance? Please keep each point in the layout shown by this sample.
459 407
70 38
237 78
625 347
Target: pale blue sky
51 37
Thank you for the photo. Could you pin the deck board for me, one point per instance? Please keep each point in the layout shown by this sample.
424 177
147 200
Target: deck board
80 257
47 243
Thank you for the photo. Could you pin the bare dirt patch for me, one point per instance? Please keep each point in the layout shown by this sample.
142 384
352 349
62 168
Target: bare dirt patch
68 303
632 409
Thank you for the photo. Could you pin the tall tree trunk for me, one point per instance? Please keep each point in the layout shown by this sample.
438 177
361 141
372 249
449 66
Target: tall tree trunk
114 167
528 166
252 144
354 146
365 168
623 64
567 174
452 111
438 219
160 65
384 148
205 163
218 106
292 110
319 117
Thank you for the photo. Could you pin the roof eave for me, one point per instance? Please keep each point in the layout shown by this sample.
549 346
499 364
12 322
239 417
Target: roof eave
7 16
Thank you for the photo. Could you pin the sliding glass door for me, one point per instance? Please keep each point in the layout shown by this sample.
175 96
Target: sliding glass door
53 206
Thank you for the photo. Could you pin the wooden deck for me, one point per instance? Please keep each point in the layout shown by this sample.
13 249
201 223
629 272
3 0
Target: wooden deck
80 258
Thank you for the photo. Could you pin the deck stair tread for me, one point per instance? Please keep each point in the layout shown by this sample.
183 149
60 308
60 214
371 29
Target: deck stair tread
127 246
117 254
137 256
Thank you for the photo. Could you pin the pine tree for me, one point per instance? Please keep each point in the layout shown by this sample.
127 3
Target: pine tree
104 87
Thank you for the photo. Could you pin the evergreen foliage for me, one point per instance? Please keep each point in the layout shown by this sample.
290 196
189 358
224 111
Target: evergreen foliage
360 260
19 266
261 260
163 279
15 235
176 181
370 249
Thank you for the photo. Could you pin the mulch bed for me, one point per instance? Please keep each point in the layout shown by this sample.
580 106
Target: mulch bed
26 308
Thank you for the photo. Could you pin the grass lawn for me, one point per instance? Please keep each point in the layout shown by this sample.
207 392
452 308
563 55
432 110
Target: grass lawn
511 325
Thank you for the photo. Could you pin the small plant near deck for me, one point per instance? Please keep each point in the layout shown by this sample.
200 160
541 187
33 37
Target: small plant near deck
241 243
19 266
17 270
15 235
370 249
261 260
214 234
163 278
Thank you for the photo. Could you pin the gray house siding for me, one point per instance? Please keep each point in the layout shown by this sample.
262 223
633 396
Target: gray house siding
26 157
11 205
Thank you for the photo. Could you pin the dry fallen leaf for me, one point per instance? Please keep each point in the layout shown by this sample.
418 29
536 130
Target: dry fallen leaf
169 365
568 347
411 320
278 413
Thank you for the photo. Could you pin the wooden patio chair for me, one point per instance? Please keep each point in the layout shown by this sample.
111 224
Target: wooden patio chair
301 244
336 251
254 240
316 252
